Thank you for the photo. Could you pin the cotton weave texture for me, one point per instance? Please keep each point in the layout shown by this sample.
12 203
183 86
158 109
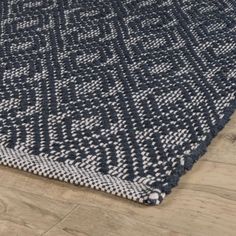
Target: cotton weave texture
121 96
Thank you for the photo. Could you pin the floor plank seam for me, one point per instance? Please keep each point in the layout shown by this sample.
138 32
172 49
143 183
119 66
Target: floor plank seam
61 220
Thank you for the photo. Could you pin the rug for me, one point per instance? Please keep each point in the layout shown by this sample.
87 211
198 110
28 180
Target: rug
121 96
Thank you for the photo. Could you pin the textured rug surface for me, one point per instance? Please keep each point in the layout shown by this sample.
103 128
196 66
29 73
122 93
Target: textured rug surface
117 95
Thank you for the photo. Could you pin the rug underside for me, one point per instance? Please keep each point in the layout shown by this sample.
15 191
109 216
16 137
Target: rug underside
121 96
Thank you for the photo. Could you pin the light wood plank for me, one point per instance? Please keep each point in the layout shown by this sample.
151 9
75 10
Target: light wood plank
23 213
94 220
202 204
205 196
188 212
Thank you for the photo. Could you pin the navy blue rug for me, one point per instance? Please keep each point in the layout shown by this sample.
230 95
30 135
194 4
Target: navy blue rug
121 96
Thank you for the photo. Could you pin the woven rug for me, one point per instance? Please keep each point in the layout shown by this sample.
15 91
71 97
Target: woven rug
121 96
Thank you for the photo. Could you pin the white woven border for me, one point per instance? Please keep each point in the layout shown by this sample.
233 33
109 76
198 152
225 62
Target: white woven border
47 167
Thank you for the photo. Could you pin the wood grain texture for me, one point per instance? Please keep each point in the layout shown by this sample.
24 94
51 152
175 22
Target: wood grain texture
204 203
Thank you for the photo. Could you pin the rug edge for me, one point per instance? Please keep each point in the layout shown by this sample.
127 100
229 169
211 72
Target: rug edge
78 176
191 159
52 169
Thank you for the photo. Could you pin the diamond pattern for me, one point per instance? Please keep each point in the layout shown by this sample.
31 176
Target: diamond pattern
119 95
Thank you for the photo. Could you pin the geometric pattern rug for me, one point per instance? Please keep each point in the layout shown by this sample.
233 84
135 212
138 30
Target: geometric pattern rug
121 96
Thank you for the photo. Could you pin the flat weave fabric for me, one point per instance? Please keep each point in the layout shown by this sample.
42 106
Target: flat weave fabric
121 96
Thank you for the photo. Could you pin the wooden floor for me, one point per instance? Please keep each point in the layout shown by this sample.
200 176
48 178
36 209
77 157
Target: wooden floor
204 203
